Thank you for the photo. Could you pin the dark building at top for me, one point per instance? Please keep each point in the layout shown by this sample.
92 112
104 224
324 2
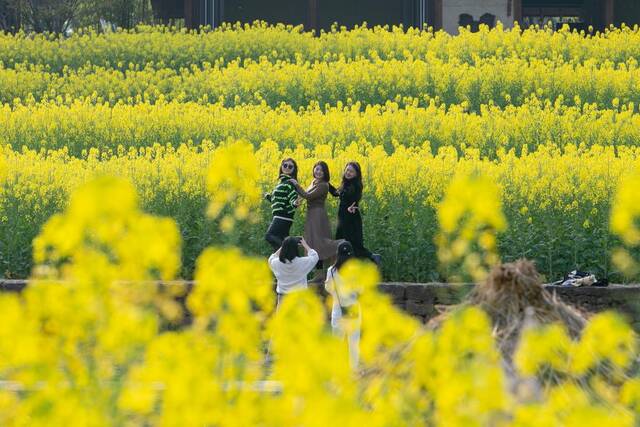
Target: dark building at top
440 14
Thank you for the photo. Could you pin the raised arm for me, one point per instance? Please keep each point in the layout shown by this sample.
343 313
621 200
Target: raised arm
318 191
311 257
334 191
305 246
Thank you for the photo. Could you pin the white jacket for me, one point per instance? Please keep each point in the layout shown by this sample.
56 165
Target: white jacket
344 298
292 276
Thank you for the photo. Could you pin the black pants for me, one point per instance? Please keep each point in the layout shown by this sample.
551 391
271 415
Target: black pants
278 230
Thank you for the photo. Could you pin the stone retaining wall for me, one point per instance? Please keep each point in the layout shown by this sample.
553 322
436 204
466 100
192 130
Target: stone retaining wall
424 299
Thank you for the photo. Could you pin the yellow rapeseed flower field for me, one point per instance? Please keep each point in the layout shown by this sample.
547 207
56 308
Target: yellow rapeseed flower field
177 48
79 125
92 350
556 201
137 156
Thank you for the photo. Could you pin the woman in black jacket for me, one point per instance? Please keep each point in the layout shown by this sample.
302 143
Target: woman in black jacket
349 218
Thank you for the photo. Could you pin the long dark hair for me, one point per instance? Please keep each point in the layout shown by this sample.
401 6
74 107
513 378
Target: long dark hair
345 253
357 181
293 174
289 249
325 170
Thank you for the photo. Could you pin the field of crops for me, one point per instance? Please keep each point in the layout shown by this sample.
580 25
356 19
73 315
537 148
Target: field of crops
136 157
551 117
81 346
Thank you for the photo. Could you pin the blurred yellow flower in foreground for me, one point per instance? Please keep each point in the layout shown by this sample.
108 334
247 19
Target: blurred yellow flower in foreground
470 215
232 182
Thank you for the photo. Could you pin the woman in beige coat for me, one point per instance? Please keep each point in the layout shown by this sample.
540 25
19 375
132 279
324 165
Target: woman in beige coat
317 229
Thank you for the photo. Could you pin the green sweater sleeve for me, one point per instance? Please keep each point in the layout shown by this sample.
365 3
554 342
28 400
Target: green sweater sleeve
293 196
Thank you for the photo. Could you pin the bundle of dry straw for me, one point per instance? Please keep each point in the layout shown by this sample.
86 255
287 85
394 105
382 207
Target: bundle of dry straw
513 297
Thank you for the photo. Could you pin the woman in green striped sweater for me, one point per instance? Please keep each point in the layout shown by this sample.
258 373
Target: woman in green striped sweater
284 201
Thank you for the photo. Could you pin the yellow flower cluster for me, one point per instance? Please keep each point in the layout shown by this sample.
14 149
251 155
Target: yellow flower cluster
90 309
583 372
522 108
545 199
105 213
231 181
457 137
624 222
97 349
470 215
79 126
486 81
177 48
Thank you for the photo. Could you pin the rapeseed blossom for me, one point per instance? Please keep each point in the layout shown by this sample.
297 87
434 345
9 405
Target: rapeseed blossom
117 150
470 215
108 360
544 202
153 104
625 211
232 181
624 220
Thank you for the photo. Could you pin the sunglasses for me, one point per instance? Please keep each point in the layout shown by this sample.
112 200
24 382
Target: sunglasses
287 166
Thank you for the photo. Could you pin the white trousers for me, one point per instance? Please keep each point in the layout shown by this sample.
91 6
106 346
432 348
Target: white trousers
353 337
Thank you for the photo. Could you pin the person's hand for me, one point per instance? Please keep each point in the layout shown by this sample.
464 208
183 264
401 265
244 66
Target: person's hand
352 209
298 202
304 243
